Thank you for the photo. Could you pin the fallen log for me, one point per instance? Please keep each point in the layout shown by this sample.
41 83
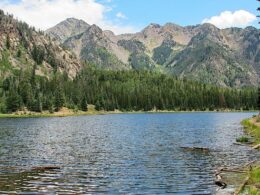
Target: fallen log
256 146
241 186
196 149
233 170
240 144
46 168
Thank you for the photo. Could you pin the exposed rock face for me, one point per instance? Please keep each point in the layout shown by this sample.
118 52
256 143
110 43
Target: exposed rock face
228 57
68 28
220 57
96 47
22 47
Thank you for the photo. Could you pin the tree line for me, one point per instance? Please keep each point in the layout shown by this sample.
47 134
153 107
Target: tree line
122 90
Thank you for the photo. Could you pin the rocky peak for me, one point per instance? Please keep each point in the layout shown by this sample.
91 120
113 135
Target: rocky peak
109 33
67 28
94 29
154 25
151 28
208 32
172 27
73 20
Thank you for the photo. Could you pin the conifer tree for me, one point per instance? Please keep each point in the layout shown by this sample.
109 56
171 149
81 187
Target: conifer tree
84 104
13 101
8 44
38 103
258 101
59 99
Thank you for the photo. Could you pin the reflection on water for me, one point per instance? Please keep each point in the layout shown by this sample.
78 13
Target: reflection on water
119 154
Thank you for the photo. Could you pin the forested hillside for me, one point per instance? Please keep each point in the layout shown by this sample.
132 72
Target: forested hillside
122 90
37 74
24 47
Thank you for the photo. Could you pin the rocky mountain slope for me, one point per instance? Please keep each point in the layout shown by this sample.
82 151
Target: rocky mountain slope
22 47
229 57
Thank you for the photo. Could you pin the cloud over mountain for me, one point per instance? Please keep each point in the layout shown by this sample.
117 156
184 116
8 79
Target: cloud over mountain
44 14
240 18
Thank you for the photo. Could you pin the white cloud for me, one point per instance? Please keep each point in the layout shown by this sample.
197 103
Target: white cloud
44 14
227 19
121 15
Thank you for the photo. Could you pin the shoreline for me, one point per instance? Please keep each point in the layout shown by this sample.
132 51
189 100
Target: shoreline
252 128
65 112
247 176
251 182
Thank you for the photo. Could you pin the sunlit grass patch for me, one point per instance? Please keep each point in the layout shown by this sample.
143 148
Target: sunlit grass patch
252 130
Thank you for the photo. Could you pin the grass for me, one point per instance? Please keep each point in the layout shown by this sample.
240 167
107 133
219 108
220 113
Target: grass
92 111
45 115
252 127
255 175
252 187
64 112
243 139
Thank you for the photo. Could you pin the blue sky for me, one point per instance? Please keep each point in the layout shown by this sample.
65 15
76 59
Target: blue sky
123 16
183 12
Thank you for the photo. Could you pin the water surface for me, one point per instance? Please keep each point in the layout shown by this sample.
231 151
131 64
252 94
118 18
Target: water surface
119 154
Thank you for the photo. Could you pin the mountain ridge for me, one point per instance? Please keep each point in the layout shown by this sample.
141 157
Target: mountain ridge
24 48
225 57
197 52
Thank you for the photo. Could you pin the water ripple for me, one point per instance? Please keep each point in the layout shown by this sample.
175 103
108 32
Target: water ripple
119 154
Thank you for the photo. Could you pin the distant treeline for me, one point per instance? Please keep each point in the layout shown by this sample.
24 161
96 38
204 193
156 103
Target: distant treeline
123 90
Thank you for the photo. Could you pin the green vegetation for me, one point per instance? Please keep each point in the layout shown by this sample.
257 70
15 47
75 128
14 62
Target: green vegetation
134 46
38 54
162 53
255 175
243 139
102 58
141 61
5 65
8 44
118 90
252 186
252 129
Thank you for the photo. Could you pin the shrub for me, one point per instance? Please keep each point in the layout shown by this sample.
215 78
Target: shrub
243 139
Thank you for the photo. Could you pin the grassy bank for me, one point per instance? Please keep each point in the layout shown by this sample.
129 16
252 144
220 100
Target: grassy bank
64 112
252 187
252 128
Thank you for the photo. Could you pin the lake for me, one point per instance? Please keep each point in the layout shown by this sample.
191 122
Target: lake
119 154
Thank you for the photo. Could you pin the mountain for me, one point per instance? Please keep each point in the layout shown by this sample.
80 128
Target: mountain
228 57
99 48
219 57
22 47
68 28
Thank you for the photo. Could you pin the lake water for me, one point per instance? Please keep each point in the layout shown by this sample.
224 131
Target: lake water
119 154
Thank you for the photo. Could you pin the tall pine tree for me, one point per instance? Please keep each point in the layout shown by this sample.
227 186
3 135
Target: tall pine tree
84 104
258 101
59 99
